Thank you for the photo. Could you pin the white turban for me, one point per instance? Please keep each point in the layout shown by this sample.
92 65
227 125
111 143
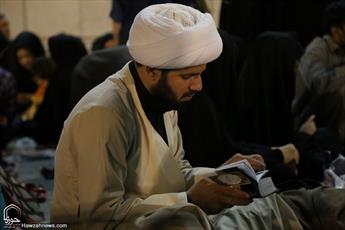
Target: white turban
173 36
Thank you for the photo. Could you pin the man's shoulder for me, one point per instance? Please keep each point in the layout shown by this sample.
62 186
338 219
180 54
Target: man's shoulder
111 95
317 44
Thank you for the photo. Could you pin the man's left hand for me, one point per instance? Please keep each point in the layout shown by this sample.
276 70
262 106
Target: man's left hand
255 160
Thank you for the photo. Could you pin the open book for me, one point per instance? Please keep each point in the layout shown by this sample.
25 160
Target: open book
257 184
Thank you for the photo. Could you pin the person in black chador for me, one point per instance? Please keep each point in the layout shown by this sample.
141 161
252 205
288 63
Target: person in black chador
20 56
207 122
66 51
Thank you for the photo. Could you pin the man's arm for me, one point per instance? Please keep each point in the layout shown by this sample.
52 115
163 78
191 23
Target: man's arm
101 140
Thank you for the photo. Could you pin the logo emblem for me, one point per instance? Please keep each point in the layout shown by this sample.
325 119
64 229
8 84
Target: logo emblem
12 214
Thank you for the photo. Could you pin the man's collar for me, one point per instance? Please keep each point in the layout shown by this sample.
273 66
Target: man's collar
148 101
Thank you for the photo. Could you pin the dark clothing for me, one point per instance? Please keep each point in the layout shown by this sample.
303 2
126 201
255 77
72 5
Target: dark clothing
206 122
33 44
27 40
8 91
220 79
99 43
7 105
266 90
30 41
206 140
249 18
24 80
124 11
94 68
3 45
329 111
207 143
66 51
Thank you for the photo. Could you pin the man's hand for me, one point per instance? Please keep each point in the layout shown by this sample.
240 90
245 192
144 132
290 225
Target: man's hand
255 160
213 198
290 154
309 126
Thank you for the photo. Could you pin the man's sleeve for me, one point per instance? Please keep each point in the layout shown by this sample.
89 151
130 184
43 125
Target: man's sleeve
271 156
101 140
315 71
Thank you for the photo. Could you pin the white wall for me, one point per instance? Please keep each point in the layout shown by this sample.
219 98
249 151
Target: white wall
85 18
214 7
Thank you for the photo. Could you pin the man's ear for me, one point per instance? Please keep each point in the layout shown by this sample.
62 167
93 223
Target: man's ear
153 73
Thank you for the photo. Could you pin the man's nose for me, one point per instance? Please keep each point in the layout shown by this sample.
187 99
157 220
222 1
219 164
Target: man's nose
196 84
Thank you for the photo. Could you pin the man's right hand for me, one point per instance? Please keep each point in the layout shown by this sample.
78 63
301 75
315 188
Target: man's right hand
213 198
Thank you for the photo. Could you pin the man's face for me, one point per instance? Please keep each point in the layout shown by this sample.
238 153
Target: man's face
179 85
338 34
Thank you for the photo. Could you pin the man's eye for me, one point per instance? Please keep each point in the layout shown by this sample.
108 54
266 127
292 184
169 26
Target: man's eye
187 77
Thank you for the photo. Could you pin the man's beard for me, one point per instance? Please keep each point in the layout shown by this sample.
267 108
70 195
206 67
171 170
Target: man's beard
165 94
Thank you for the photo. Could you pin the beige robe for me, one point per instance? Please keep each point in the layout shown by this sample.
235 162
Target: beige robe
113 170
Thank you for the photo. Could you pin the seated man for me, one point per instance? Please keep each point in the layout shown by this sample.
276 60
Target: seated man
321 75
119 162
322 67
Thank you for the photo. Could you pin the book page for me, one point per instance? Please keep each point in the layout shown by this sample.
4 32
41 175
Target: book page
242 165
236 173
266 186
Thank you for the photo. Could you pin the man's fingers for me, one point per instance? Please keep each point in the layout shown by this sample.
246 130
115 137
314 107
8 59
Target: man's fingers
257 156
257 165
235 191
234 158
311 118
232 195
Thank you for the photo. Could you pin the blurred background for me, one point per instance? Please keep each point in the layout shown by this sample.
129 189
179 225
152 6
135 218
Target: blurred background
87 19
